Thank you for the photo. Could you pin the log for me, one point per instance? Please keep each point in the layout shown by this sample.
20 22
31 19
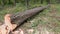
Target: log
20 17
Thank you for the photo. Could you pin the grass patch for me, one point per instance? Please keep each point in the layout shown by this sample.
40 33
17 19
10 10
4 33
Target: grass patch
49 17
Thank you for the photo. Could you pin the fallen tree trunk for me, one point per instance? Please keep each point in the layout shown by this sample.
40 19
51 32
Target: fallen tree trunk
20 17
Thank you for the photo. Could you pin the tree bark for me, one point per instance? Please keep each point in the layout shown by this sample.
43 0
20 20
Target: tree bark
20 17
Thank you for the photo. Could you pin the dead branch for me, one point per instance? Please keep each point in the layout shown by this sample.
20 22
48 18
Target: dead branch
20 17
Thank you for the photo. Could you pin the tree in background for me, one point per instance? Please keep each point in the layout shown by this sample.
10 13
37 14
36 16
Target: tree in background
27 3
13 2
48 1
17 1
1 2
41 1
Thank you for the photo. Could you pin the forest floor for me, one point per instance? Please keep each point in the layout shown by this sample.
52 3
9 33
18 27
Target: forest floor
46 22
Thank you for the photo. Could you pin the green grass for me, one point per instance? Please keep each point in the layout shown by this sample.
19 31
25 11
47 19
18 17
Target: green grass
49 18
